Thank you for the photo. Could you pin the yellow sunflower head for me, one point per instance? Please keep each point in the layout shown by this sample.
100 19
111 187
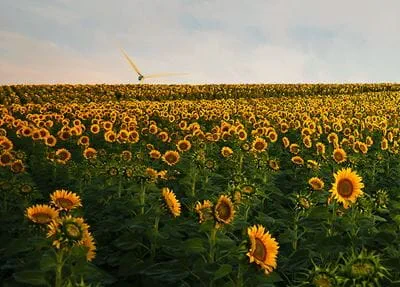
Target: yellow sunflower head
65 200
264 248
88 242
226 151
347 187
298 160
316 183
67 231
183 145
41 213
204 210
339 155
259 145
173 204
171 157
224 211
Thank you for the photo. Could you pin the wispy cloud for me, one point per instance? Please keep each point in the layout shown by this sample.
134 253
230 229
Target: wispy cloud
214 41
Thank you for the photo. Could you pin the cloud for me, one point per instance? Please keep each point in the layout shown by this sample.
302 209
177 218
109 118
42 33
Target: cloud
215 41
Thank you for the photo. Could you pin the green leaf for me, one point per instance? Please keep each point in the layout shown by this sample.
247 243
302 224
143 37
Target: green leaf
36 278
194 245
48 261
224 270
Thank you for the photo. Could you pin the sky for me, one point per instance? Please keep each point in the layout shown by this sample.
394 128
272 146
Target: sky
214 41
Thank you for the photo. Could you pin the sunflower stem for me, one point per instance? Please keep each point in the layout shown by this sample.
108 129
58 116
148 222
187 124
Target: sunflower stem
239 282
119 186
154 242
59 266
212 239
142 196
193 189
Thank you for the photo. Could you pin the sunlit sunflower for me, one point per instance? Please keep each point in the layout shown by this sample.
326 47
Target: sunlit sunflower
273 136
285 142
347 187
226 151
89 153
41 213
384 144
339 155
259 145
83 140
224 211
204 210
294 148
50 141
316 183
183 145
264 248
320 148
6 158
63 156
171 157
298 160
312 164
173 204
274 164
65 200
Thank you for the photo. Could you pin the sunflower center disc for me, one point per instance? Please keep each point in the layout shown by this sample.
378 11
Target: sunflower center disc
224 211
260 251
73 231
345 188
65 203
42 218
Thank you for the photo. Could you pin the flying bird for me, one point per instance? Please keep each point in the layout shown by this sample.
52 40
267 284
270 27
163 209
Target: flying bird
141 77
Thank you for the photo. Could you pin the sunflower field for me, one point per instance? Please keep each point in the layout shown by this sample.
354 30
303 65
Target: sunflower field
200 185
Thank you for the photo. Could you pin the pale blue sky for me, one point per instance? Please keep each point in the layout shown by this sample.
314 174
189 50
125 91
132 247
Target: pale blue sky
215 41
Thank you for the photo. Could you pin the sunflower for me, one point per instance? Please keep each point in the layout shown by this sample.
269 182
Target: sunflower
63 155
204 210
84 140
171 157
273 136
316 183
312 164
6 158
110 136
264 248
307 142
347 186
226 151
41 213
50 141
294 148
320 148
88 242
95 129
89 153
298 160
17 166
65 200
224 210
183 145
285 142
274 164
126 155
339 155
259 145
173 204
67 231
384 144
154 154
